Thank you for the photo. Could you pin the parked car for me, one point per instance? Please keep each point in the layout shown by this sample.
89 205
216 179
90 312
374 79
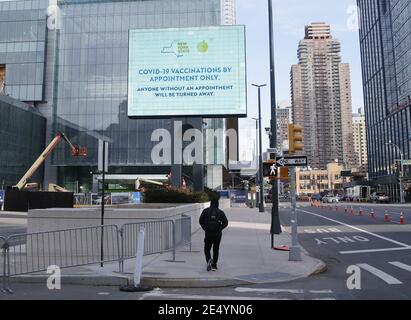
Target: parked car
303 197
316 197
380 197
331 199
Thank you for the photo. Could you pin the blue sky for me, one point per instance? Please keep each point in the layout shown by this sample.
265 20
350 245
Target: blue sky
290 17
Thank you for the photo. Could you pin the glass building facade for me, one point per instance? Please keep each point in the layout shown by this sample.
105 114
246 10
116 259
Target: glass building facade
22 47
69 58
22 134
385 37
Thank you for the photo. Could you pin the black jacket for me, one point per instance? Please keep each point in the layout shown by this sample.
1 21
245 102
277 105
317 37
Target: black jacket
205 220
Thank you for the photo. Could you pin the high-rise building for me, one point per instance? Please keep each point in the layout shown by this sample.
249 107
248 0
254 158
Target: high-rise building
284 118
385 39
228 12
360 138
69 60
321 98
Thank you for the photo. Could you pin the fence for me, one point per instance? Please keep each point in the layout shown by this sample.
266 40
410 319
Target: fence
35 252
160 236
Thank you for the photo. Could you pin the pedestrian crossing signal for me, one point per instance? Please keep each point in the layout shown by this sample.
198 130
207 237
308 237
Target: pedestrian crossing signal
269 170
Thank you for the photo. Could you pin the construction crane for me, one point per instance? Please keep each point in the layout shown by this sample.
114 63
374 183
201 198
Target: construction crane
75 152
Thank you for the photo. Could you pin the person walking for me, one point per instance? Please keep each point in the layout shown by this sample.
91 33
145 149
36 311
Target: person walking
213 221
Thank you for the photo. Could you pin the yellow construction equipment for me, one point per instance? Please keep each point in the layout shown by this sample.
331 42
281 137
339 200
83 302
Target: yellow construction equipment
75 152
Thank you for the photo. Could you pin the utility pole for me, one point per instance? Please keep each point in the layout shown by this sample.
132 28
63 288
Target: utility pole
260 157
295 139
402 197
275 219
256 159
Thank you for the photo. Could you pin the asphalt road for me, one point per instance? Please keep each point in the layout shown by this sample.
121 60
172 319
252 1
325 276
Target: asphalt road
344 238
380 250
9 226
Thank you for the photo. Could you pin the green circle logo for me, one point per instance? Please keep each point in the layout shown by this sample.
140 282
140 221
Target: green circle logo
202 47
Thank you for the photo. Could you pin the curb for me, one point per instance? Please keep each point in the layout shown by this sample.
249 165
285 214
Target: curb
193 282
123 280
82 279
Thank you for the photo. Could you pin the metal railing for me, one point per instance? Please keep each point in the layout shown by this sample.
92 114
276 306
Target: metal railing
3 262
160 236
35 252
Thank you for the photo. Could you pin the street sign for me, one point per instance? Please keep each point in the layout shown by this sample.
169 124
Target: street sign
295 161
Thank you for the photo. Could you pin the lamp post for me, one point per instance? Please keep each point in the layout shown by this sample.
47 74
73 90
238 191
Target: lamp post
275 217
402 169
256 157
260 157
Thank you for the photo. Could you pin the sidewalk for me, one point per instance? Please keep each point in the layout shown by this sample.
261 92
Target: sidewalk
245 258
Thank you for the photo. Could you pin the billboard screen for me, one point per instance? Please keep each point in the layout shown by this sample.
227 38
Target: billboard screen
187 72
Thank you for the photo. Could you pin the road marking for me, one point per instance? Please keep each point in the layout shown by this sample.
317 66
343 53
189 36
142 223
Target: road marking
243 290
321 291
103 293
266 290
401 265
359 229
375 250
380 274
197 297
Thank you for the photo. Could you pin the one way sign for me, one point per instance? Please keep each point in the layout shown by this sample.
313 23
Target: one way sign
296 161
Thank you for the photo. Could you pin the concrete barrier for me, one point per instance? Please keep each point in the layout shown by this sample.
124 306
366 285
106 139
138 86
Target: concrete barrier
40 220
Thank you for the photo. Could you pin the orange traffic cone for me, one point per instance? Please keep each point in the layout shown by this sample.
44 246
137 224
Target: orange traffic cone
386 217
352 211
360 212
402 218
372 214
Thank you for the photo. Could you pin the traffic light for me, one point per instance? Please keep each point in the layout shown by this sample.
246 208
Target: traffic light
295 137
394 167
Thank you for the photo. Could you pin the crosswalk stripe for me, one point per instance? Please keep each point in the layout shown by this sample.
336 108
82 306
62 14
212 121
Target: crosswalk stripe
267 290
401 265
262 290
380 274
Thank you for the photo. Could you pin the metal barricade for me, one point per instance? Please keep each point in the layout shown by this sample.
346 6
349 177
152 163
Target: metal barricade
3 263
182 231
160 236
35 252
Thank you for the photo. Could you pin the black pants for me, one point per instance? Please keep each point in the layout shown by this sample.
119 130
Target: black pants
214 242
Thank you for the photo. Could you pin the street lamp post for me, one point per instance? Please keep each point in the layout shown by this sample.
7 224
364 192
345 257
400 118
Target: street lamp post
275 217
402 170
260 157
256 157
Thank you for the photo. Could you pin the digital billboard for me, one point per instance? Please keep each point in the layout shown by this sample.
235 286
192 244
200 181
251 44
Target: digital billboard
187 72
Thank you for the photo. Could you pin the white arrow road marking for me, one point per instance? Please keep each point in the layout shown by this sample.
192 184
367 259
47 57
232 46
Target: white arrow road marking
380 274
401 265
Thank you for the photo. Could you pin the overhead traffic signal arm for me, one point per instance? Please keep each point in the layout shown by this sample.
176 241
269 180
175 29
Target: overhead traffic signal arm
295 136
